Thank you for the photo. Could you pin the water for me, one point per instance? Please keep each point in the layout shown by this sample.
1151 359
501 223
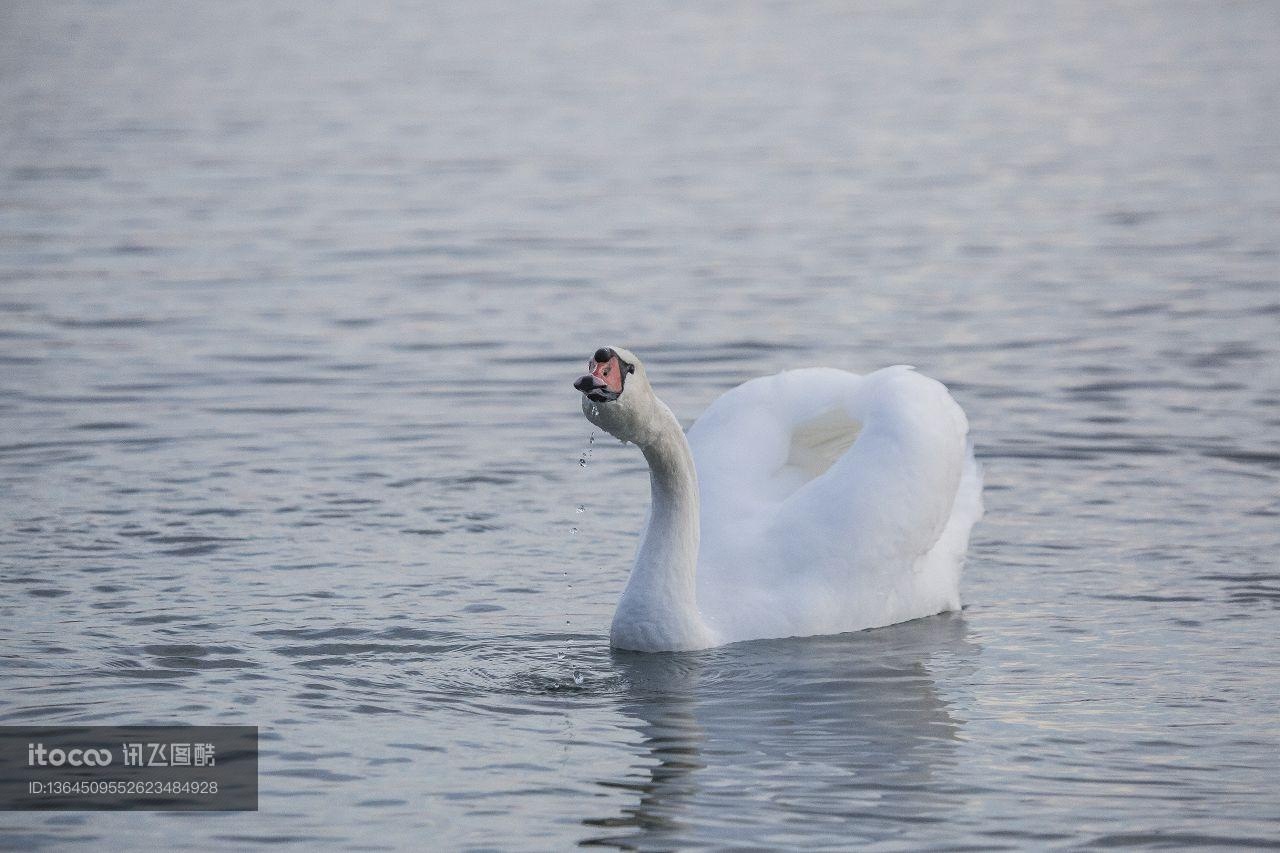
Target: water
292 301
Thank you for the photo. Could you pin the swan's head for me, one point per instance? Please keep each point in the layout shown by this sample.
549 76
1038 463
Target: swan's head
616 395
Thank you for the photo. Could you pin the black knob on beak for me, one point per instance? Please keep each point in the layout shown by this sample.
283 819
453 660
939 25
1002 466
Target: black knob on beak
602 355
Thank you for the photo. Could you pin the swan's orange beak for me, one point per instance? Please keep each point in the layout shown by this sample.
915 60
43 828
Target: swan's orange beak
602 382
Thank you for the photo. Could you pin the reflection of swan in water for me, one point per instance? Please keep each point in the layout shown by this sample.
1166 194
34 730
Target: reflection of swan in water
786 743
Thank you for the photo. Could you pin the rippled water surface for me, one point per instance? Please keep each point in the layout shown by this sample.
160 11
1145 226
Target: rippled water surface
292 296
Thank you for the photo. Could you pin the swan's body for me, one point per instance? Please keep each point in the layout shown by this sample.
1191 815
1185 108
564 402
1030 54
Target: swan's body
814 501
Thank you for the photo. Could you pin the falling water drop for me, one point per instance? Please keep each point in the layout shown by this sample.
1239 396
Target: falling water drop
573 531
586 454
582 508
577 677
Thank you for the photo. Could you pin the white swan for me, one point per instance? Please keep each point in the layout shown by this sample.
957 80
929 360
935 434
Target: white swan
830 502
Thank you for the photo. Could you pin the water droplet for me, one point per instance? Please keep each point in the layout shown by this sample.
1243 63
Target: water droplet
573 531
585 456
582 508
577 677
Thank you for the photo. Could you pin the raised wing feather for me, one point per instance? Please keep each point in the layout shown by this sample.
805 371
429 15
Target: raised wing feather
757 445
816 444
822 494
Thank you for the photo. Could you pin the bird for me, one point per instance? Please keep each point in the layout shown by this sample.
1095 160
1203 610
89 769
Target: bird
810 502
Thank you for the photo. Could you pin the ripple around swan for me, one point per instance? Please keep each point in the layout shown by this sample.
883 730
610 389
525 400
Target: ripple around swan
411 666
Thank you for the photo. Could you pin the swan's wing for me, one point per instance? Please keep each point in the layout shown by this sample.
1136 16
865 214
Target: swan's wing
816 444
864 527
830 488
760 442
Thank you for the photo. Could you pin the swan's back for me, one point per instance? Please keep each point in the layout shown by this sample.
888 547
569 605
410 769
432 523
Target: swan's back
831 502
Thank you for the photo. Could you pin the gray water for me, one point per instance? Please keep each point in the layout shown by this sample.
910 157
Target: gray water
292 300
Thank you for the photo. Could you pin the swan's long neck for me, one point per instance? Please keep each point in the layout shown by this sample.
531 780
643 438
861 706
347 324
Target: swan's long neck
659 608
